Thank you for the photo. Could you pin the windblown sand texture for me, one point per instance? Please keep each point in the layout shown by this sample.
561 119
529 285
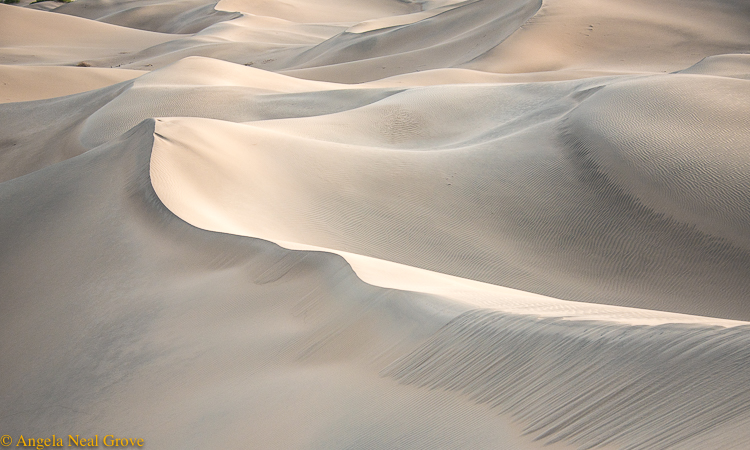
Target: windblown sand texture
386 224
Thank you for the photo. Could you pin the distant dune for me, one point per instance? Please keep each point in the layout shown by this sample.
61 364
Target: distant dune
500 224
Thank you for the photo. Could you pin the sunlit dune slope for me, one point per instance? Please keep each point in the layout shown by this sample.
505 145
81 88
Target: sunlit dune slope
552 193
376 224
175 324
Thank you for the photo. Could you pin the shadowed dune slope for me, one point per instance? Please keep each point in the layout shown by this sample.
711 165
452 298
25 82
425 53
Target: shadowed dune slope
45 132
467 30
662 387
41 133
165 16
311 11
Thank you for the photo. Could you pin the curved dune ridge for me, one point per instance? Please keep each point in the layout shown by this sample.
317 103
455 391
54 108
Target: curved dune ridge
734 66
510 196
437 224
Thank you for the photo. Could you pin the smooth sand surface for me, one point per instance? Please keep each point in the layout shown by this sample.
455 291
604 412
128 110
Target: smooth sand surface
27 83
170 16
410 178
45 38
380 224
636 34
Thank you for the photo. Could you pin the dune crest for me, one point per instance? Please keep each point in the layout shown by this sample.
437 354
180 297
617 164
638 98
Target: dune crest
376 224
420 179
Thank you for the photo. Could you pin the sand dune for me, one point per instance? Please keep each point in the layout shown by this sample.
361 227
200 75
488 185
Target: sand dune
39 37
27 83
183 16
468 30
733 66
365 41
419 188
637 35
377 224
277 318
308 11
539 367
295 338
67 126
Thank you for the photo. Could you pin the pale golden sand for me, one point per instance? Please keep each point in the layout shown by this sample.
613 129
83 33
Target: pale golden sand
387 224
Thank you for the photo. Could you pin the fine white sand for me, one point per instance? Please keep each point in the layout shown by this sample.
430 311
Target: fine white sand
382 224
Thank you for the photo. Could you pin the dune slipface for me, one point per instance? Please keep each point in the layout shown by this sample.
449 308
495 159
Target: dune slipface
511 224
